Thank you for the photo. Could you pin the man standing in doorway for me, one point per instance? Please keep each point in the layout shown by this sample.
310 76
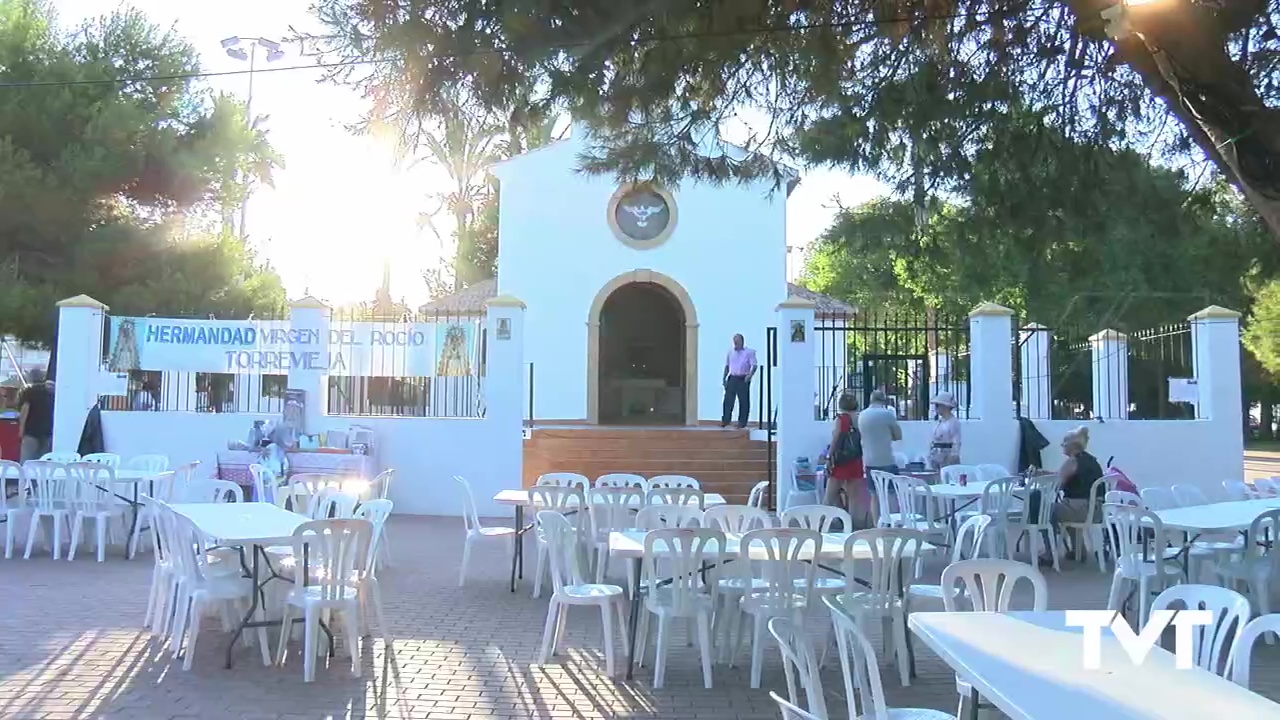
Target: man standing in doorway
739 368
35 417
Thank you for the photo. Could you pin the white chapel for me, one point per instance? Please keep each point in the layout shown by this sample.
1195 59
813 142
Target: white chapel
634 292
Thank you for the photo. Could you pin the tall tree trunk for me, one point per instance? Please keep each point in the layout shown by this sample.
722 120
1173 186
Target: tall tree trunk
1179 49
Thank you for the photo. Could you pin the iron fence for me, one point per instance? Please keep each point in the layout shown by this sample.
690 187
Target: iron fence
404 365
910 356
1160 359
1052 373
156 391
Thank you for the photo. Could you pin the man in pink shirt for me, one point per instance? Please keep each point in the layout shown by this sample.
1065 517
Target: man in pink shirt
739 368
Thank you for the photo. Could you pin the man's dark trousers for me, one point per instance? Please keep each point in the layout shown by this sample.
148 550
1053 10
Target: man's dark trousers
738 387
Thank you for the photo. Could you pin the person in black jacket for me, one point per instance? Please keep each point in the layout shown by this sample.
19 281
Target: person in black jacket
1030 444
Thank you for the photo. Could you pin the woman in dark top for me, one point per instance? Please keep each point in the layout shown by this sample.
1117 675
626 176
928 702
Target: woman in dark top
1079 472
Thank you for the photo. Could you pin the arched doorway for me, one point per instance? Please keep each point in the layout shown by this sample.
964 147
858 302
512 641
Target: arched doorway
642 353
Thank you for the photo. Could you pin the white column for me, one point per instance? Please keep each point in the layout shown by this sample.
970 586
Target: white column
990 363
794 378
1033 355
311 316
79 365
1110 361
1215 346
502 466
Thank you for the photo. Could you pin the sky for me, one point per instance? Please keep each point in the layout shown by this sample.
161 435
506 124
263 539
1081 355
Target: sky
342 204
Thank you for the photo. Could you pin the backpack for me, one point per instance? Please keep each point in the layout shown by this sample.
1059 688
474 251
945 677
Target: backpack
848 446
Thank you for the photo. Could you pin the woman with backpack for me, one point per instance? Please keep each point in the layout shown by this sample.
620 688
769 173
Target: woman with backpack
844 463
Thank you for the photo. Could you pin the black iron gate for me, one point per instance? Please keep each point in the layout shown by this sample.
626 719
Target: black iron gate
766 413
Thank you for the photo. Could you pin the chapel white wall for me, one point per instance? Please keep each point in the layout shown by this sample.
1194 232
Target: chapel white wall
728 251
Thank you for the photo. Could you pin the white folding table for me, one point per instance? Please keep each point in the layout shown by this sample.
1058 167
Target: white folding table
520 499
252 525
1219 517
1030 665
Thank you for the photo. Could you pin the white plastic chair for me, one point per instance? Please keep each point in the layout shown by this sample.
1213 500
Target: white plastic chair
970 541
568 499
1259 563
332 503
214 491
109 459
612 510
565 480
816 517
264 483
300 488
622 480
990 471
988 584
13 508
1236 490
885 599
800 665
197 588
1209 642
883 492
1189 496
919 509
675 496
861 670
476 532
569 587
1129 528
673 481
1266 488
1047 488
160 601
792 712
375 512
50 494
382 486
1241 656
1158 498
335 553
146 463
682 553
1089 534
62 458
757 496
90 489
661 517
787 552
161 486
950 475
1122 497
736 519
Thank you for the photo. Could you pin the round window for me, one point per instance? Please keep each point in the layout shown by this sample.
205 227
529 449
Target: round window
642 216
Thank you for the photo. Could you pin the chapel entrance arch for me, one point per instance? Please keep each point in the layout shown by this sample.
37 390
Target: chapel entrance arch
642 352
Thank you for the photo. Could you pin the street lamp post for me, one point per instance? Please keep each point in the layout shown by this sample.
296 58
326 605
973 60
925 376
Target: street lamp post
236 48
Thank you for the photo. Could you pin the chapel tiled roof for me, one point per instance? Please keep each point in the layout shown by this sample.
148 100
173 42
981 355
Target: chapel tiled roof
472 299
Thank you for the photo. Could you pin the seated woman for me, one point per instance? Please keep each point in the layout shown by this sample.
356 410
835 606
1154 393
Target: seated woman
1079 471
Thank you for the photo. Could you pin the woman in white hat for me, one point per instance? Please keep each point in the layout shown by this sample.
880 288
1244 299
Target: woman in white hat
944 446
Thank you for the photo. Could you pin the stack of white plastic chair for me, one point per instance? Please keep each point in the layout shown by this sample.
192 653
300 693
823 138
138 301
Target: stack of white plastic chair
49 495
334 552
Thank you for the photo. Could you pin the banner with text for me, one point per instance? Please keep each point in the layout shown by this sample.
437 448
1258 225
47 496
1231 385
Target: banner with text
273 347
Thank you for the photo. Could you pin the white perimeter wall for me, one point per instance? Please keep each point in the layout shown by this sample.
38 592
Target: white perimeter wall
1151 452
425 452
728 251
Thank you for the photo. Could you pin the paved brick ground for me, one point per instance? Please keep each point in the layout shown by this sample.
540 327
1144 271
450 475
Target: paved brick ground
70 647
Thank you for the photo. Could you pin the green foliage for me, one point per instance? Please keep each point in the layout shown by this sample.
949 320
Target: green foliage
899 88
1263 334
1061 231
110 188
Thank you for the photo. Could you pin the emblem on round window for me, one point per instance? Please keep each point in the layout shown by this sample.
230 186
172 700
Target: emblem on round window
642 215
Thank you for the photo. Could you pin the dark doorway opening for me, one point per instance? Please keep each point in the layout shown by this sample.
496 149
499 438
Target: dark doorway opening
642 357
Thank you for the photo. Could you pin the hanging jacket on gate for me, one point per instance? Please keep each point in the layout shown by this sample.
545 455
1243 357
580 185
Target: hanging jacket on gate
1030 443
91 440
